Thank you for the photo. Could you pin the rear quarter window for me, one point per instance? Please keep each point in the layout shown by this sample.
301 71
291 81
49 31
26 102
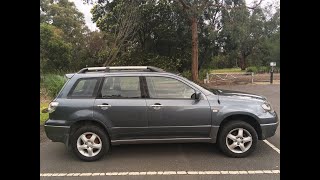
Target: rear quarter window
84 88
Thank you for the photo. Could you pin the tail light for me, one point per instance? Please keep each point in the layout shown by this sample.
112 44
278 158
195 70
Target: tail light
52 107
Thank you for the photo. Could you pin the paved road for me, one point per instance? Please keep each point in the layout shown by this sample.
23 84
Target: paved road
198 157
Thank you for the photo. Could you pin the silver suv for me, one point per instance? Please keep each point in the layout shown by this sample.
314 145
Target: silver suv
103 106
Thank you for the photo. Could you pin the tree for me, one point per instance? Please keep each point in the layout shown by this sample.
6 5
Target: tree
65 16
194 9
62 16
268 50
245 34
55 53
120 19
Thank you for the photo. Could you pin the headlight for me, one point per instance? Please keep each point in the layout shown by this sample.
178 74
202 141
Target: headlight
266 106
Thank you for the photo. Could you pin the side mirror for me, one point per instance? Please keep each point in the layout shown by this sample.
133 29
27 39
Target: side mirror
196 95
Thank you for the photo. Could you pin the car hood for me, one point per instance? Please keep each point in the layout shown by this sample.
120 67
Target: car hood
237 94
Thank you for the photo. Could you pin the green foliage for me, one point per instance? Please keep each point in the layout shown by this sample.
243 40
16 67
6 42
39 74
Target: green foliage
63 37
252 69
52 83
262 69
220 61
55 53
43 116
227 70
202 74
150 59
235 38
187 74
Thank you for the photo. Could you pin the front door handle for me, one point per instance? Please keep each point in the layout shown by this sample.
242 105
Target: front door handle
156 106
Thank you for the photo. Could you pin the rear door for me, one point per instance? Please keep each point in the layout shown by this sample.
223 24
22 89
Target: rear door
171 111
121 105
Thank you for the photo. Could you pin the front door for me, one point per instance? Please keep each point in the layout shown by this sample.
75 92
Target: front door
171 111
121 105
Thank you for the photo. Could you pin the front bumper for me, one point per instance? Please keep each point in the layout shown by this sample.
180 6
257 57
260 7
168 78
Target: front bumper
57 133
268 130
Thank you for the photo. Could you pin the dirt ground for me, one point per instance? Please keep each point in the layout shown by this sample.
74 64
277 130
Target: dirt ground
43 136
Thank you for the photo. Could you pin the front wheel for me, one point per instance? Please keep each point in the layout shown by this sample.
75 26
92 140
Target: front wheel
89 143
237 139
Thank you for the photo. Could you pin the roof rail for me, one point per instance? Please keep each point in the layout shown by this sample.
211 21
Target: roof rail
92 69
119 68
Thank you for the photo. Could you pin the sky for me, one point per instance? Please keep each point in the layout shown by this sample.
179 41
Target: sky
85 9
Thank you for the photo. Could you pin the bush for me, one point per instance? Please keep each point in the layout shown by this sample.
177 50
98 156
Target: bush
202 74
52 84
252 69
43 116
262 69
186 74
220 61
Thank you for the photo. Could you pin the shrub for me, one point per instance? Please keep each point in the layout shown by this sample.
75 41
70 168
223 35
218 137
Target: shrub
52 84
262 69
202 74
187 74
220 61
43 116
252 69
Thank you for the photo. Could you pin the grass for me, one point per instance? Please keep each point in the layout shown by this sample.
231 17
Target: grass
226 70
43 116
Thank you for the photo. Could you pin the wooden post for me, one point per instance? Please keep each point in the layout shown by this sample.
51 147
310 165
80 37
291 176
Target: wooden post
251 77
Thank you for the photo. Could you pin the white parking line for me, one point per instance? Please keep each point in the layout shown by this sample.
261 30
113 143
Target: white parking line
163 173
272 146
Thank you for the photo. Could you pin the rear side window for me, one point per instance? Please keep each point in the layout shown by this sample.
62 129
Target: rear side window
121 87
85 88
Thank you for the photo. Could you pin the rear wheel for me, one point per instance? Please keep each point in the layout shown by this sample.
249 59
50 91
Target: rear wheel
89 143
237 139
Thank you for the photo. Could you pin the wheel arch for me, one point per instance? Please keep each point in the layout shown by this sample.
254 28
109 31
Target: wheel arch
245 118
86 122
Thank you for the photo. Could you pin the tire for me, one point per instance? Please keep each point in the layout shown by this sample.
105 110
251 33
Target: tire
89 149
237 146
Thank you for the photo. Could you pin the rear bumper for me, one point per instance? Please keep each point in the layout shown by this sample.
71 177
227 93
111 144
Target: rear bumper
57 133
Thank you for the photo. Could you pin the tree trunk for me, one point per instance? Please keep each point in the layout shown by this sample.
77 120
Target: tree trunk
243 63
194 65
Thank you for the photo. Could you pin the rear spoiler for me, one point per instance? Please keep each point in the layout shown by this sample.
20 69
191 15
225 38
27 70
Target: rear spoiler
69 76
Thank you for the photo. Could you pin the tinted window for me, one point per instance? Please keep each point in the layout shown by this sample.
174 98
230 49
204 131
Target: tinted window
163 87
121 87
84 87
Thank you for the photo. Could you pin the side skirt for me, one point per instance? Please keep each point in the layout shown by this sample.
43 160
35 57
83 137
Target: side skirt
165 140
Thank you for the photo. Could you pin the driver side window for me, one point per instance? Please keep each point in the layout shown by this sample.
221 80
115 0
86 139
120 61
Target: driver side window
168 88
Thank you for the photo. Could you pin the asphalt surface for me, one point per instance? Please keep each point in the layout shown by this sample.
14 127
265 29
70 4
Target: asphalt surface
54 157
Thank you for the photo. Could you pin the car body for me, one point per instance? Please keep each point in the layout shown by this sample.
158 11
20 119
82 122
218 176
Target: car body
143 104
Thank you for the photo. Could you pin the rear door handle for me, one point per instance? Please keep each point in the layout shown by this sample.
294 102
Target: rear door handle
156 106
104 105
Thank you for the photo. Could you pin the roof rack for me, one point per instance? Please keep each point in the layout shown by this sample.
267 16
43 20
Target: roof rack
121 68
